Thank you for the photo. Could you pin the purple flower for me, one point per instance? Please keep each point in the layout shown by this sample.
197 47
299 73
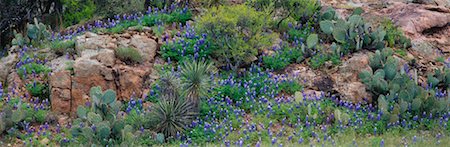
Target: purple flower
274 140
300 141
1 90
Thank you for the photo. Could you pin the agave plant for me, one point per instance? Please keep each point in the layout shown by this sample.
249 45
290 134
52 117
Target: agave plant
172 115
195 80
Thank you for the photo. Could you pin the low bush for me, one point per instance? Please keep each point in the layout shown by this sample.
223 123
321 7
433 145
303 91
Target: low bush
237 32
394 36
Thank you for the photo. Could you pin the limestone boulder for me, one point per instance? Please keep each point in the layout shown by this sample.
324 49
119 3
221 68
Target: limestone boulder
422 23
346 80
6 65
145 45
61 96
131 80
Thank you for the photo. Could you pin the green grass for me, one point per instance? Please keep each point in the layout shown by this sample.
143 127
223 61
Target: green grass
129 55
351 139
61 47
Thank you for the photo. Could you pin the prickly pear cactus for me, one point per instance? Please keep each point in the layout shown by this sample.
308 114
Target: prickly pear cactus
326 26
312 40
19 39
37 31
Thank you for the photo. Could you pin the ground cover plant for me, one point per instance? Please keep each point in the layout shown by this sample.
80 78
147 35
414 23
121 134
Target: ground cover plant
227 74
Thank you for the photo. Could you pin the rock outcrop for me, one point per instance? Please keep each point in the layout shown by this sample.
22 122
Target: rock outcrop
346 80
6 65
423 24
97 65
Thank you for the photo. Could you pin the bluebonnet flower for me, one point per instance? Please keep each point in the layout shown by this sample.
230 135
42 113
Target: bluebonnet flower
300 141
1 91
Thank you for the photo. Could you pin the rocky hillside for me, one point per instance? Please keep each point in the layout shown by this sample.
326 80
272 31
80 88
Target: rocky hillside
213 73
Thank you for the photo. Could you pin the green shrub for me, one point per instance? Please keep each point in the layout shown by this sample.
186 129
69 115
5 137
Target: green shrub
41 116
238 33
394 36
440 78
153 95
76 11
39 90
63 47
129 55
14 113
210 3
158 30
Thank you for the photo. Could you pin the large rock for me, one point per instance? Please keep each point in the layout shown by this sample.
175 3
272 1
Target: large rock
444 3
304 73
425 50
415 18
61 96
346 80
89 73
93 41
16 86
96 65
6 65
145 45
422 23
132 80
311 79
59 64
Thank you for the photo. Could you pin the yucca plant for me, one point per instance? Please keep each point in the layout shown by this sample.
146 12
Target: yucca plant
172 115
169 85
195 80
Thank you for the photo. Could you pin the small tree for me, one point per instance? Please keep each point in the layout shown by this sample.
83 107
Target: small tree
237 32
